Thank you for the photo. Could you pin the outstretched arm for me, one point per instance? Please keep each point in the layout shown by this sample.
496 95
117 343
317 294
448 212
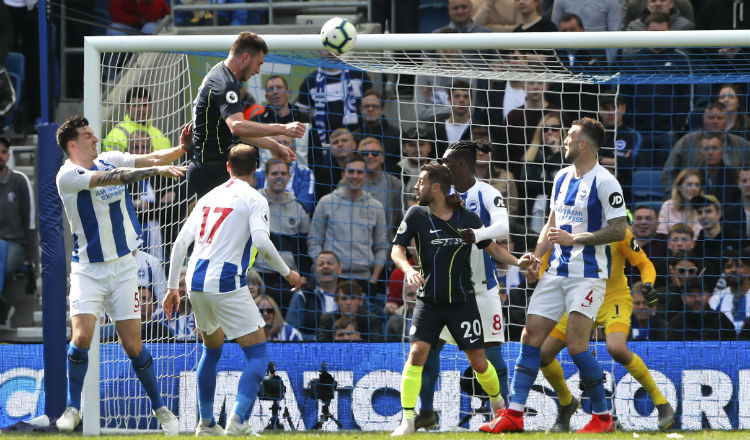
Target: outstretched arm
167 156
126 176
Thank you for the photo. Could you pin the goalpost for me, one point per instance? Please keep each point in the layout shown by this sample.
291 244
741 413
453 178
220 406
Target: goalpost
171 68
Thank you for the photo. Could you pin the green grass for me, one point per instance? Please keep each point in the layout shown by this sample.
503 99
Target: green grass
458 435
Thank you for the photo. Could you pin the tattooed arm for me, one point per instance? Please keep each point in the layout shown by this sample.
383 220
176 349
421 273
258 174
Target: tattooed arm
126 176
614 231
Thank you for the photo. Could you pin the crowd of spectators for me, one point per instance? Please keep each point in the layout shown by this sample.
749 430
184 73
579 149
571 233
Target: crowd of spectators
334 211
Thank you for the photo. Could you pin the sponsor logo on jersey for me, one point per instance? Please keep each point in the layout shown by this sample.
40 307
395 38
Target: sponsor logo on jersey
454 241
634 245
616 200
499 202
265 217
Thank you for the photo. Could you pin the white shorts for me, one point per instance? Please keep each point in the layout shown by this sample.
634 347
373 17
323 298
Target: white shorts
555 295
234 312
491 312
112 284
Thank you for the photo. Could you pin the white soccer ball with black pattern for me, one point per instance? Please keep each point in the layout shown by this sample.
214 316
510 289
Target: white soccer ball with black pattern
338 35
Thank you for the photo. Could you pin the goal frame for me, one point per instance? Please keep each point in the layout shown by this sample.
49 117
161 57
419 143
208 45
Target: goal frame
95 46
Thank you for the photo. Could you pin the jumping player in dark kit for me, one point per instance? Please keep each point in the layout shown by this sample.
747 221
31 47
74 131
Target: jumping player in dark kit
219 122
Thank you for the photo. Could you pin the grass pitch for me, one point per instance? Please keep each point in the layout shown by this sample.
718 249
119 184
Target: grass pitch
458 435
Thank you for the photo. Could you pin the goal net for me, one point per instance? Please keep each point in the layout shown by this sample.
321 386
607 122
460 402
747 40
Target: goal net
400 100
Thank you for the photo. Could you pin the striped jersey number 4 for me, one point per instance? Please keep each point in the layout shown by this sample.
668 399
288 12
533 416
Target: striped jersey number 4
207 211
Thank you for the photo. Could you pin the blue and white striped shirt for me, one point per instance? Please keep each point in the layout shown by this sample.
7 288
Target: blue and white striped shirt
584 205
102 219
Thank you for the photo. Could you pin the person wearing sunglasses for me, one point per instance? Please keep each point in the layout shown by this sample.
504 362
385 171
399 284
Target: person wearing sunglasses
351 223
375 124
386 188
276 329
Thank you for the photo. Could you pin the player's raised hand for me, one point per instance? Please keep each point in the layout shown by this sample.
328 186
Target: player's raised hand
283 152
413 278
295 129
454 201
527 260
560 236
468 235
171 302
294 279
171 171
186 137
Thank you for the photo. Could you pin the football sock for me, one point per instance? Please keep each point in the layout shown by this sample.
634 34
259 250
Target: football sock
411 382
143 364
255 369
207 381
494 354
592 380
78 363
527 368
554 375
490 383
430 373
640 372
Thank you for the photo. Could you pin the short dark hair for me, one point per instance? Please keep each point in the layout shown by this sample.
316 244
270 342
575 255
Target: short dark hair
438 174
344 322
274 161
5 141
249 42
715 104
286 83
467 151
643 206
349 287
355 157
571 16
702 201
137 92
243 159
657 17
681 228
331 253
460 84
68 131
592 129
372 91
714 134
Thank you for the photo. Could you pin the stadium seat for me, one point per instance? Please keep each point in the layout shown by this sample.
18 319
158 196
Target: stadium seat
647 188
15 63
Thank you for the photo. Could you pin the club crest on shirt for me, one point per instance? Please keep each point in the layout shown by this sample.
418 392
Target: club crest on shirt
472 206
582 193
401 228
232 97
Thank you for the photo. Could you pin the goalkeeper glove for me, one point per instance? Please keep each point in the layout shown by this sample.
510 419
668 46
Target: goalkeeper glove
650 294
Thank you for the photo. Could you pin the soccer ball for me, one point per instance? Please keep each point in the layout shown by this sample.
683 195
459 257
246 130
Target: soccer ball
338 35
